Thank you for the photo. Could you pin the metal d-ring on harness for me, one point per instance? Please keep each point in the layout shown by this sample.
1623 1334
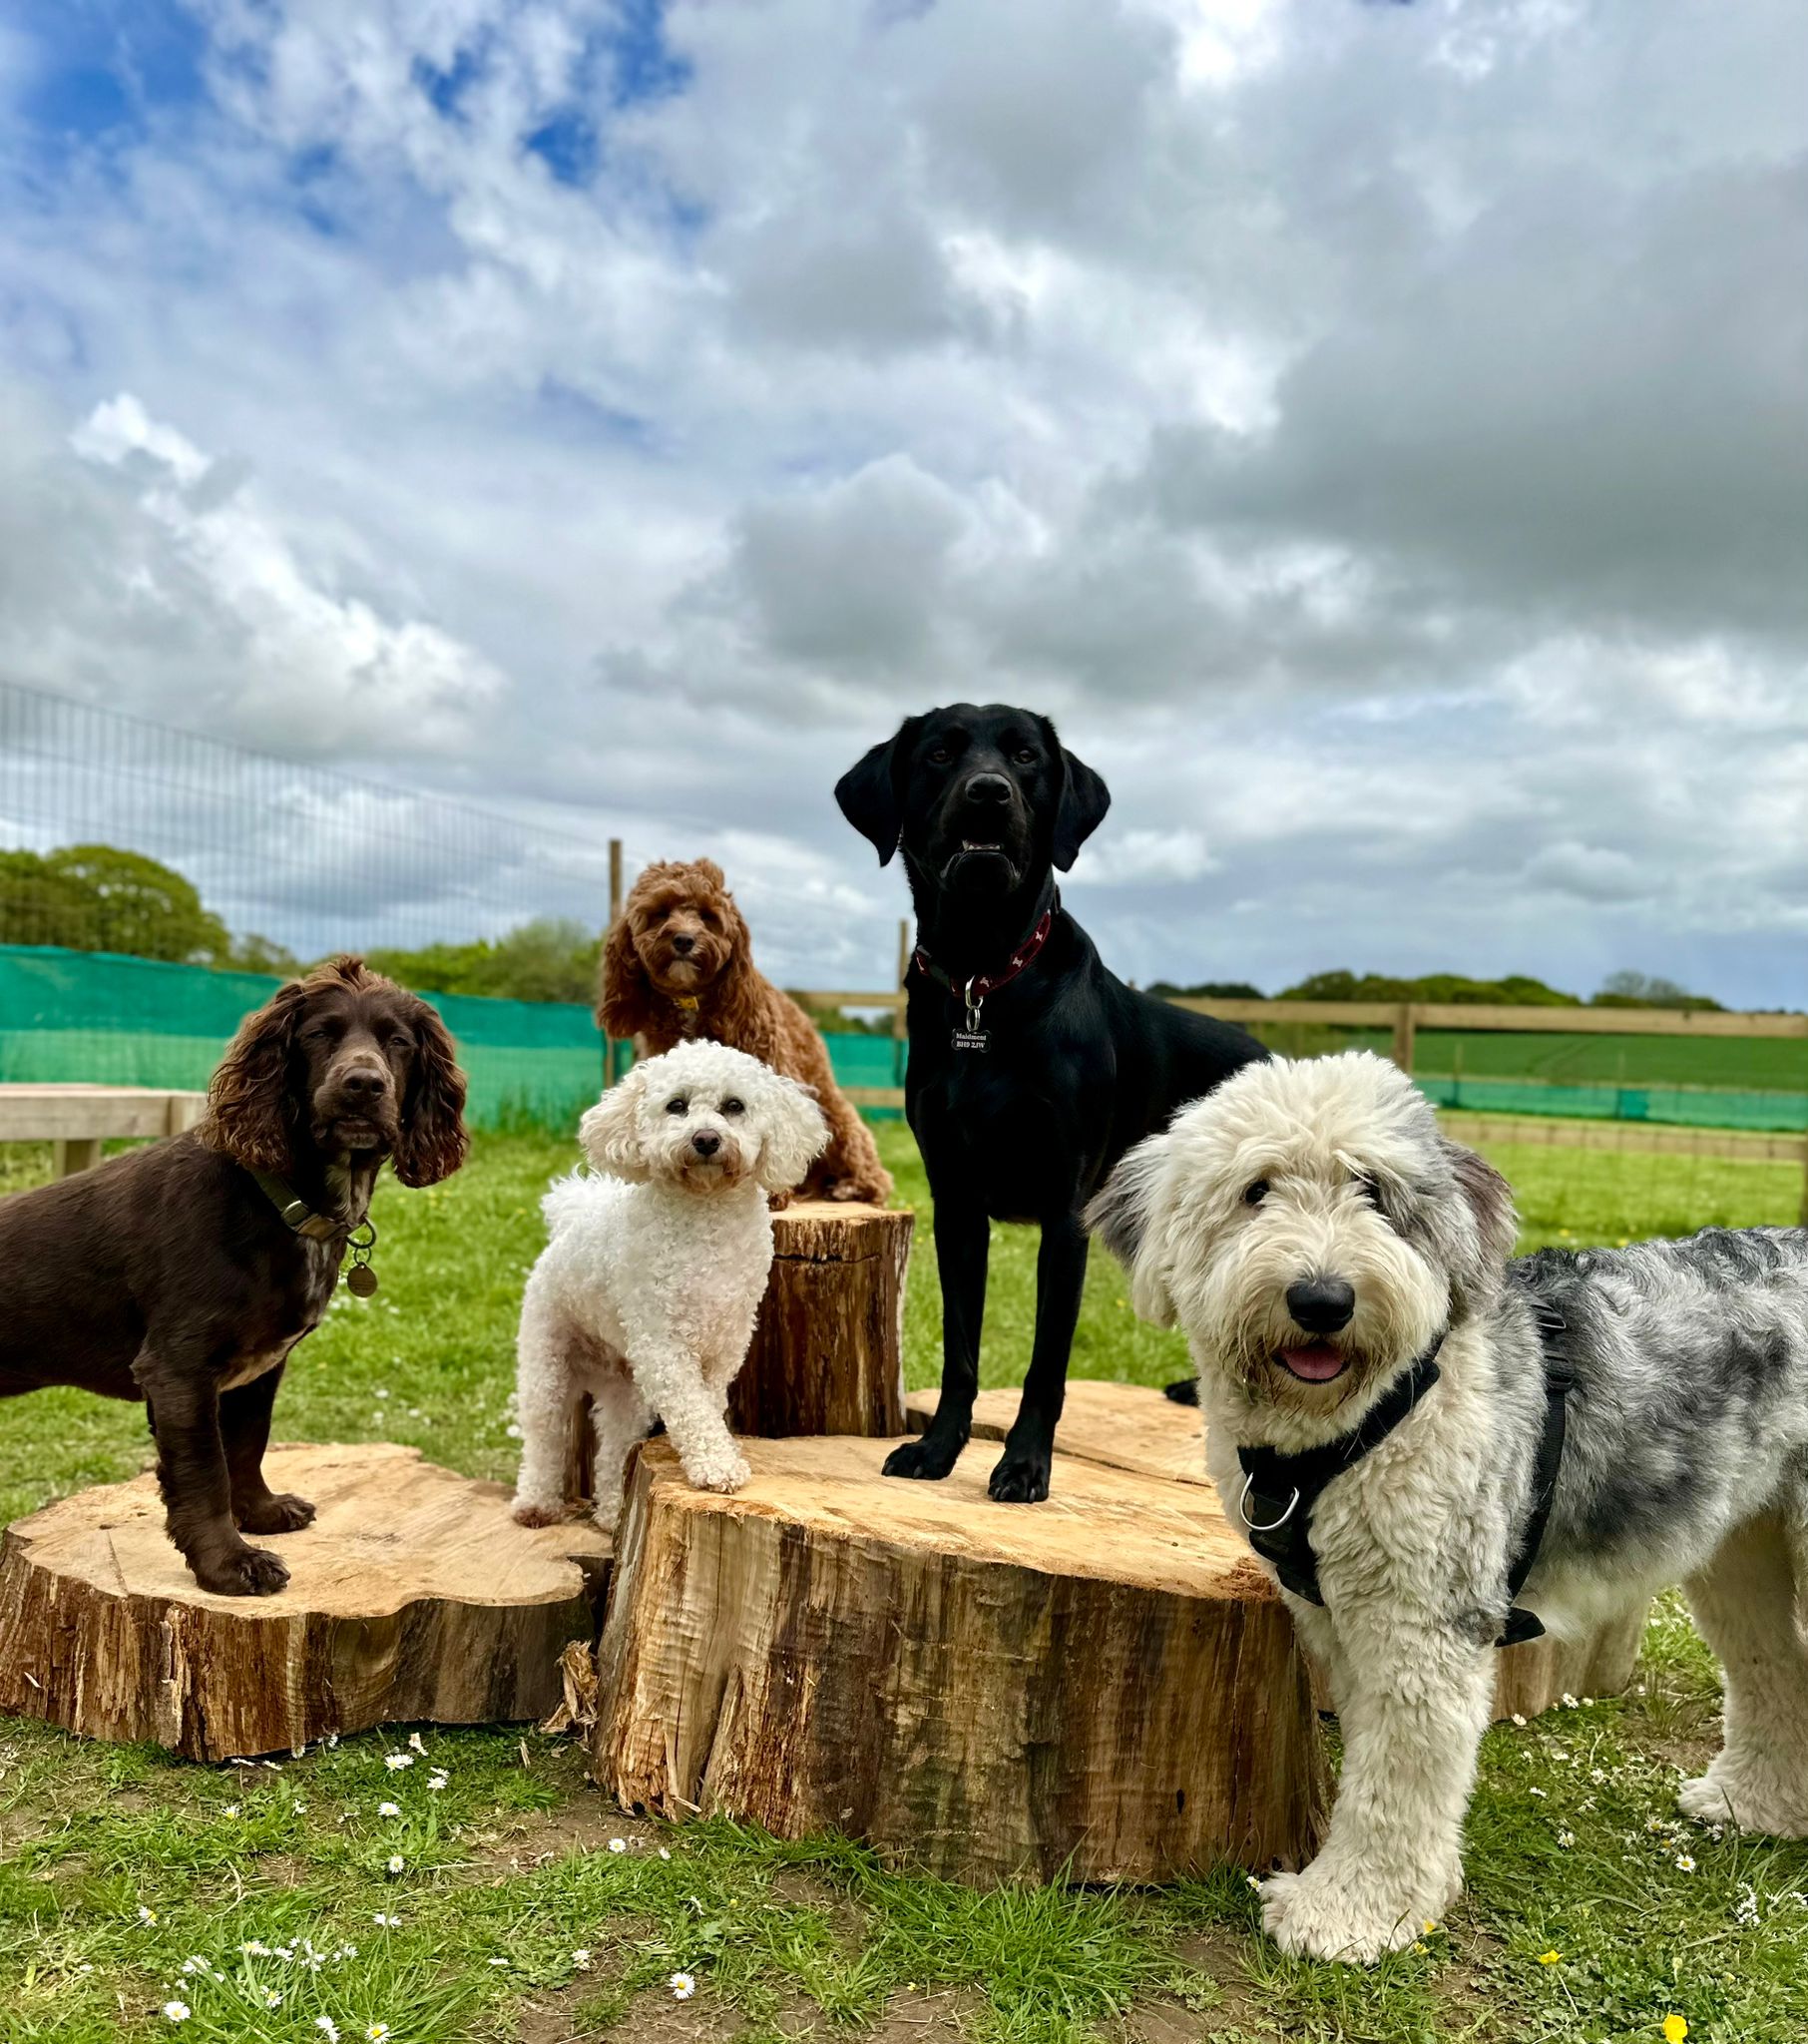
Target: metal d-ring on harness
1281 1534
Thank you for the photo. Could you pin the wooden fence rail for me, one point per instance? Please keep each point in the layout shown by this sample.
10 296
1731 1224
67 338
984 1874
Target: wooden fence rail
1404 1019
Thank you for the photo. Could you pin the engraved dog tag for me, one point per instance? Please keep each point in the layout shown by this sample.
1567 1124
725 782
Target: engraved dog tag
971 1039
361 1279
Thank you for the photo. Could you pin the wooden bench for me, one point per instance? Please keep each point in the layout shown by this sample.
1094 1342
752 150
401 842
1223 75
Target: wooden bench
77 1119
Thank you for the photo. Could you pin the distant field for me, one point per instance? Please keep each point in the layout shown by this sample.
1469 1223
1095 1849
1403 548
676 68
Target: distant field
1762 1064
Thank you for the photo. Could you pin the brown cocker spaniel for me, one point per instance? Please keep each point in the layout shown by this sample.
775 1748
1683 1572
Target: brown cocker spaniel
181 1274
679 962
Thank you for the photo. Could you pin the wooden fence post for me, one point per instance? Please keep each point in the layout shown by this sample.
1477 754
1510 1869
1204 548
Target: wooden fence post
1405 1021
611 1063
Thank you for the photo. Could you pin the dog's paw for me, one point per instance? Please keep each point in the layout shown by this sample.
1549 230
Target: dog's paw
279 1511
534 1512
928 1458
242 1572
1323 1919
1020 1479
726 1475
1748 1802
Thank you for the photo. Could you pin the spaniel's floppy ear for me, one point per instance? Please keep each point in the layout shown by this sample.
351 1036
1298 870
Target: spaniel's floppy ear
871 793
610 1133
624 992
250 1116
796 1133
1083 802
1125 1213
431 1142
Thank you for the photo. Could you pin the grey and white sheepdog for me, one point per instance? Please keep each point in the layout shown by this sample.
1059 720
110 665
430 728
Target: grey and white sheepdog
1313 1234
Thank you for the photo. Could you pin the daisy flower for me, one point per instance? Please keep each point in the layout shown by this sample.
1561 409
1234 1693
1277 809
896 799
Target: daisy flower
146 1917
581 1959
177 2011
395 1762
272 1999
416 1742
386 1922
231 1810
377 2033
437 1779
327 2028
396 1863
389 1809
618 1844
683 1986
1684 1865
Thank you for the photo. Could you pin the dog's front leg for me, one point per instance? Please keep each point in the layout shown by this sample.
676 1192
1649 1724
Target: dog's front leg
244 1427
1022 1475
674 1381
191 1474
1413 1700
963 1241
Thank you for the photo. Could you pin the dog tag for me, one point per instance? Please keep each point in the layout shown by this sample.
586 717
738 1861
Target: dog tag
361 1279
971 1039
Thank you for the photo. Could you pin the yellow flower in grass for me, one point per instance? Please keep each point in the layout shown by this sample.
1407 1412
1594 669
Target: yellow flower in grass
1676 2028
1550 1958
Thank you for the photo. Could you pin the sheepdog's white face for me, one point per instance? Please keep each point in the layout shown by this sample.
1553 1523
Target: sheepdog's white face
1308 1228
708 1118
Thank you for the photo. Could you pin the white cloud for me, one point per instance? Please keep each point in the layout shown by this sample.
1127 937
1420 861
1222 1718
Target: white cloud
1376 433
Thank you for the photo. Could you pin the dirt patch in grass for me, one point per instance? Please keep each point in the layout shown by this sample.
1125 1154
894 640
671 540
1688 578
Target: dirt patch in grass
946 2016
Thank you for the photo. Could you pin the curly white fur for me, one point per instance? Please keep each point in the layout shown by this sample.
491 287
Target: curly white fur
647 1293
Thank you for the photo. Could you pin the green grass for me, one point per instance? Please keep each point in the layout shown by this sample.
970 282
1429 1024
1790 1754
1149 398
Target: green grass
1759 1064
509 1861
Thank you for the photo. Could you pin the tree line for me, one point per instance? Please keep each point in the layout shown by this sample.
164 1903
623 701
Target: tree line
100 897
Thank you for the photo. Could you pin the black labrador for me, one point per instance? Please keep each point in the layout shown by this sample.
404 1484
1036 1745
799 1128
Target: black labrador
1031 1067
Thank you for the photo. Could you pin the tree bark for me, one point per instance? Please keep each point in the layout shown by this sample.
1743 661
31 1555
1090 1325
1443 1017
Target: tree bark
414 1596
1106 1687
827 1355
1128 1428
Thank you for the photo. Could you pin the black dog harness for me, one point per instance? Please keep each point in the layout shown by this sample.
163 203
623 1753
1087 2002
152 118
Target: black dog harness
973 992
1279 1491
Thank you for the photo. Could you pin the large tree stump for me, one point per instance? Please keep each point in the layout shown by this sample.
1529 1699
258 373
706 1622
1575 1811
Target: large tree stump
827 1354
1106 1687
413 1595
1130 1427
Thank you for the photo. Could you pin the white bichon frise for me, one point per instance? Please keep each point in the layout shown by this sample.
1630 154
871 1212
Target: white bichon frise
1438 1447
647 1293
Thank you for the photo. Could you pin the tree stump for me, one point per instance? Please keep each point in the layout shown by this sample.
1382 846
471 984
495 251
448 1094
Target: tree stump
413 1595
827 1354
1130 1427
1103 1688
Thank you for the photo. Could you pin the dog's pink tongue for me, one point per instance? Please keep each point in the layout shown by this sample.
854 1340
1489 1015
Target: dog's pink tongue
1317 1364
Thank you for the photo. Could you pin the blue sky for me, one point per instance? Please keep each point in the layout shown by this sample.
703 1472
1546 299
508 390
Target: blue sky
1376 434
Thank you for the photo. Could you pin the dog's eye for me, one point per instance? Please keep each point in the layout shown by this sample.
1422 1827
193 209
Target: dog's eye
938 756
734 1107
1024 756
677 1105
1256 1194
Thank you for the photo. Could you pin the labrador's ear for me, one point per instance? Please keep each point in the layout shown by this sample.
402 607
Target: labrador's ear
1125 1213
1083 802
871 793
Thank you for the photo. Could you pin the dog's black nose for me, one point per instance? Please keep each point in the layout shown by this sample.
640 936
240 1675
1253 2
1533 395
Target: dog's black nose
1322 1305
988 788
683 946
364 1085
705 1142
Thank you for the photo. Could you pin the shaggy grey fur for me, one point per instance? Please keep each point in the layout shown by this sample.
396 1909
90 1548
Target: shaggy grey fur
1686 1457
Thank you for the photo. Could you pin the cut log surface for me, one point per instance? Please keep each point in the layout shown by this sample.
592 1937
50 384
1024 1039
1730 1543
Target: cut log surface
1127 1426
412 1596
827 1355
1104 1685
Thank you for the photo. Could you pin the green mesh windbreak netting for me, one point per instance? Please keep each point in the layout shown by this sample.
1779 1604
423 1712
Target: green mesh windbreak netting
90 1015
113 1020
